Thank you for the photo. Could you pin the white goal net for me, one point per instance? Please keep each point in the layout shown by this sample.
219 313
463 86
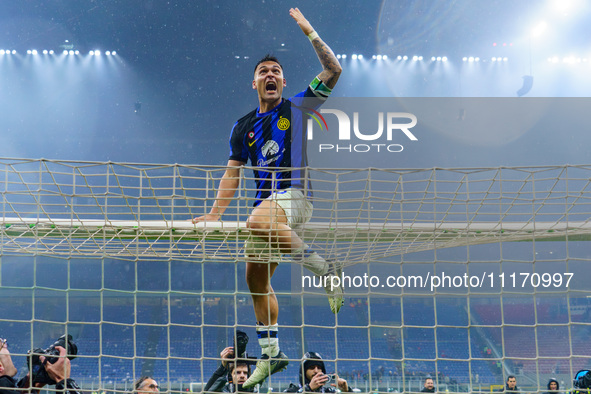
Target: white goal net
463 288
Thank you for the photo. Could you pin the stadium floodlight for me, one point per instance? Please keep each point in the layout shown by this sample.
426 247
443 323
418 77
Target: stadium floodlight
65 52
97 53
354 57
51 52
399 57
359 56
404 57
76 52
471 59
108 53
379 57
505 59
444 59
565 7
91 53
464 59
494 59
433 58
115 52
539 29
415 58
2 52
385 57
45 51
438 58
374 57
476 59
70 52
344 56
28 52
338 56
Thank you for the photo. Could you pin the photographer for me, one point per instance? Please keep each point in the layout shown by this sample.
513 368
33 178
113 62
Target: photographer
60 372
313 377
52 366
232 373
144 385
7 370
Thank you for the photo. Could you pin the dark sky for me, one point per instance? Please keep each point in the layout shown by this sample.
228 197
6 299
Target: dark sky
178 59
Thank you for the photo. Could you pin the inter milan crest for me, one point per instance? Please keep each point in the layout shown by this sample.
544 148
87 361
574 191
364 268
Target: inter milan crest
283 123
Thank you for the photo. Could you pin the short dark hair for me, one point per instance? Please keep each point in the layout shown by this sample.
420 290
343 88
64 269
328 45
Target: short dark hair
511 377
236 364
428 378
267 58
138 383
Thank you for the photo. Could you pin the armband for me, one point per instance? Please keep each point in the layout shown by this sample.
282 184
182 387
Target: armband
319 88
312 36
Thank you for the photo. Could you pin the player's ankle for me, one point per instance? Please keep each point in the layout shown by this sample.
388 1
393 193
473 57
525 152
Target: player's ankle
271 351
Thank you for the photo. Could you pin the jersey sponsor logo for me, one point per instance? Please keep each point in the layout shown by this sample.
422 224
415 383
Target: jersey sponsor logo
263 163
283 123
270 148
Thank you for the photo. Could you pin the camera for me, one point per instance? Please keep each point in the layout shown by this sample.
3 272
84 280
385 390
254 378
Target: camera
582 380
240 342
36 367
332 378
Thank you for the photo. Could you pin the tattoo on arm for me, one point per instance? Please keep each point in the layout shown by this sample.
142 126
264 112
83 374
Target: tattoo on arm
331 66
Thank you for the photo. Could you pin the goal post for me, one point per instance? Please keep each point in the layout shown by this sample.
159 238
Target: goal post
448 274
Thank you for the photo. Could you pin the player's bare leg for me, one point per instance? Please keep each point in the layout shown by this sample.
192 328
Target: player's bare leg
269 222
266 310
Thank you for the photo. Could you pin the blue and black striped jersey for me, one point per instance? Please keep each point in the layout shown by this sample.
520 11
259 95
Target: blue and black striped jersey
275 140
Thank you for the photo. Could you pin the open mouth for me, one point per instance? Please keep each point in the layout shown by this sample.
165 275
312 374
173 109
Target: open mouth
271 87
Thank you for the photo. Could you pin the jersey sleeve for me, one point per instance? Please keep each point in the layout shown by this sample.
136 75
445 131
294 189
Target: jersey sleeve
238 149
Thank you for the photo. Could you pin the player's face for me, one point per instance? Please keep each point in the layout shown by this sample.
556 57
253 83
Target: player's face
511 383
269 81
148 386
429 384
240 374
313 371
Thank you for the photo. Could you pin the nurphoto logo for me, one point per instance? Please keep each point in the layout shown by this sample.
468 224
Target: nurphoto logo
396 124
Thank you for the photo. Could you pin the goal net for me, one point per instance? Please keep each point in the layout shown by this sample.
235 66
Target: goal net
446 273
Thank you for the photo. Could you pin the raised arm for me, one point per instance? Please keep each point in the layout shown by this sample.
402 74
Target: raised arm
331 68
227 189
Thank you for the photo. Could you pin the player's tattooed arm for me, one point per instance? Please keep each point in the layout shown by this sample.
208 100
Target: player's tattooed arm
331 68
330 65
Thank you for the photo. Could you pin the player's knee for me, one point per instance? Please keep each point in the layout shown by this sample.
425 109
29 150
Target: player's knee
257 224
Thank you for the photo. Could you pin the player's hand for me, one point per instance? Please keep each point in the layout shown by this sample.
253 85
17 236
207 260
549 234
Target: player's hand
302 22
342 384
226 354
318 381
206 218
59 370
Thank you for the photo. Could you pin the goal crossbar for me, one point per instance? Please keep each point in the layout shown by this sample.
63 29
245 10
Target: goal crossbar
161 239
